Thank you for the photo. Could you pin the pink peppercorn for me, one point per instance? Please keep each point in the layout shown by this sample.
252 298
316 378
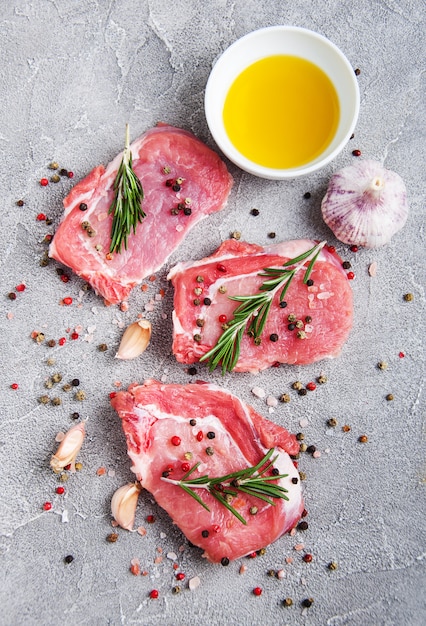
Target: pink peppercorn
112 394
200 436
350 275
74 336
44 182
61 341
175 440
311 386
65 278
354 248
47 506
20 287
14 386
60 490
150 519
67 301
307 558
222 319
70 174
185 467
154 594
180 576
41 217
257 591
221 267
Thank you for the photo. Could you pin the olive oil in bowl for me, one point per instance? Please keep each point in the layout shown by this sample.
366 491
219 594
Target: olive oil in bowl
281 112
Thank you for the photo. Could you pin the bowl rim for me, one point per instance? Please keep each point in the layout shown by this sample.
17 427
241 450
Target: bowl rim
212 116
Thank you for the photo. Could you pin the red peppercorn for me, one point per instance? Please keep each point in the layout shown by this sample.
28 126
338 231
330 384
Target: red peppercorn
252 555
150 519
70 174
14 386
47 506
304 513
180 576
60 490
65 278
296 464
175 440
257 591
216 528
354 248
44 182
74 336
221 268
61 341
185 467
307 558
67 467
401 355
67 301
41 217
154 594
222 319
331 249
350 275
311 386
20 287
112 394
200 436
356 153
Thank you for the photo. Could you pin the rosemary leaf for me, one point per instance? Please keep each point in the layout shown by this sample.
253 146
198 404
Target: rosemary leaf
251 315
126 207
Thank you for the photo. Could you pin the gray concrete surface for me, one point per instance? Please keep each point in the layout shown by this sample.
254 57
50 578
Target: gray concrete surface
72 74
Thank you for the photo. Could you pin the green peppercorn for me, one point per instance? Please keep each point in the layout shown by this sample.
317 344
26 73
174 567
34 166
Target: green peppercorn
44 399
55 178
332 565
80 395
209 451
57 378
408 297
297 385
56 401
303 447
332 422
389 397
285 397
253 510
287 602
102 347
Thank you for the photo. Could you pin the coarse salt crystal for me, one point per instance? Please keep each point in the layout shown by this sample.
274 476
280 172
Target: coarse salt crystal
60 437
149 307
124 307
271 401
308 328
79 328
65 516
299 546
10 315
179 228
163 535
292 532
158 559
243 569
141 531
316 454
111 473
194 583
172 556
303 581
324 295
158 297
289 560
281 574
258 392
303 422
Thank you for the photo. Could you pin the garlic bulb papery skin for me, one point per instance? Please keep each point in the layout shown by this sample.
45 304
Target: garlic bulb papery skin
123 505
68 449
135 340
365 204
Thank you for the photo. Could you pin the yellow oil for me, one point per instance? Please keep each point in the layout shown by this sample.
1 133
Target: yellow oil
281 112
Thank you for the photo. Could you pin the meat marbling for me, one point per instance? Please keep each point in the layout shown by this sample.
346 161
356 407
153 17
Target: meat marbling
206 183
233 270
154 412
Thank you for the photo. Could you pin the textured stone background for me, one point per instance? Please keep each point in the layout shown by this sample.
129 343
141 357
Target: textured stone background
72 74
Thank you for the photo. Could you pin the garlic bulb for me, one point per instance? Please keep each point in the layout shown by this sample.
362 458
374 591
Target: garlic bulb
365 204
135 340
68 448
123 505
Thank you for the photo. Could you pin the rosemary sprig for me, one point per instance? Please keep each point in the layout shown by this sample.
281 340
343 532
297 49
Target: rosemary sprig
251 481
252 313
126 207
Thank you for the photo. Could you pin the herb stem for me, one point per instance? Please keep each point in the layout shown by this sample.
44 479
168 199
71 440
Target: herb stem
253 311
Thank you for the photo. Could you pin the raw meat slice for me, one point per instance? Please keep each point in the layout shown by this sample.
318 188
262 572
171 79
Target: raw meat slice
233 270
205 188
153 414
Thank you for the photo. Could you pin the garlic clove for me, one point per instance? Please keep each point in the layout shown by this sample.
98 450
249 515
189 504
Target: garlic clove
135 340
68 448
123 505
365 204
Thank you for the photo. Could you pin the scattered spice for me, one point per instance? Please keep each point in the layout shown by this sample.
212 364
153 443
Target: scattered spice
389 397
287 602
255 212
257 591
356 153
363 439
112 537
332 565
382 365
346 428
332 422
69 558
308 602
80 395
408 297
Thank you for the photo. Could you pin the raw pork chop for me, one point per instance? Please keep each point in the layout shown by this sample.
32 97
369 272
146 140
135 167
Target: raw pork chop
154 413
233 270
205 188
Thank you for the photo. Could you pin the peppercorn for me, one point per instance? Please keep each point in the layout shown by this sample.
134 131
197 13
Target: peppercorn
210 435
310 449
287 602
299 324
66 387
80 395
112 537
83 206
51 343
303 447
272 235
69 558
300 436
307 602
273 337
291 326
193 422
294 480
75 415
297 385
332 565
63 172
322 379
253 510
12 296
200 323
346 265
310 282
236 235
205 533
302 475
257 591
207 301
102 347
363 438
408 297
197 338
346 428
302 392
285 397
75 382
283 304
224 561
20 203
275 471
78 466
302 526
176 589
382 365
56 401
332 422
357 71
356 153
210 451
187 210
255 212
192 371
55 178
389 397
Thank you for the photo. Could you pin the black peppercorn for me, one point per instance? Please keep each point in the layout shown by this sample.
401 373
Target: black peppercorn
176 187
75 415
307 195
273 337
310 282
311 449
224 561
187 210
307 602
69 558
302 392
192 371
346 265
294 480
283 304
83 206
254 212
193 422
207 301
75 382
275 471
303 526
211 435
205 533
291 326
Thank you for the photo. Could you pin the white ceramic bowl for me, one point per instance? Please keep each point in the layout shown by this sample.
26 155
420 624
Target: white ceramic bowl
282 40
